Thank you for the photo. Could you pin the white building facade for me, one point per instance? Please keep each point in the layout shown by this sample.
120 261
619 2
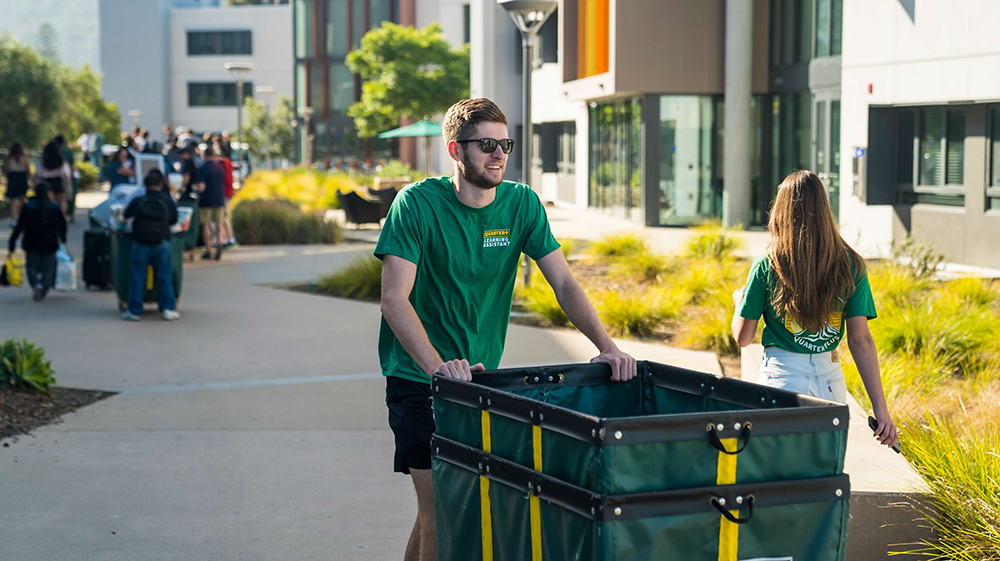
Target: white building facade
165 58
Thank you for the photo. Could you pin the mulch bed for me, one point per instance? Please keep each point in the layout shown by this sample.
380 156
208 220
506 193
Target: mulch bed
22 411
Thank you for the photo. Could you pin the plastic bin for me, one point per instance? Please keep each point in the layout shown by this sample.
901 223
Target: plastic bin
121 248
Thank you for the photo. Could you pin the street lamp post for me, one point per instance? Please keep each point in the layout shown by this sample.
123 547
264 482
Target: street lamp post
306 117
529 16
238 70
266 92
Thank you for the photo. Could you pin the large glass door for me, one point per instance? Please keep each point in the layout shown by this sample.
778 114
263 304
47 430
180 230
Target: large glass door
826 145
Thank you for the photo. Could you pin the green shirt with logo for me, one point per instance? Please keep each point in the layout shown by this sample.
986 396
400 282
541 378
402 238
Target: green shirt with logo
466 262
784 332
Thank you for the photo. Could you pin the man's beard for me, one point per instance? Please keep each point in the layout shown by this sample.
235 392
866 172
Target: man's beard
474 176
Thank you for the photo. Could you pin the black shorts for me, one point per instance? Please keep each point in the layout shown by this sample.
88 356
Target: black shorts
56 185
411 418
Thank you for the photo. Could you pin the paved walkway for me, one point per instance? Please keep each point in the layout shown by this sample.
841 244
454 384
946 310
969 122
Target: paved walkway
253 428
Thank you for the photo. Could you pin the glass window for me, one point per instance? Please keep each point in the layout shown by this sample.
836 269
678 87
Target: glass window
822 28
235 42
775 31
300 84
836 27
686 134
304 28
316 86
904 148
820 135
805 27
336 28
357 22
219 43
548 39
993 203
216 94
467 23
788 10
616 157
381 11
340 88
955 156
995 148
913 197
931 132
201 43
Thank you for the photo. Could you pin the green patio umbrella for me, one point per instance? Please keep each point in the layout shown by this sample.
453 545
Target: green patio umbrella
426 129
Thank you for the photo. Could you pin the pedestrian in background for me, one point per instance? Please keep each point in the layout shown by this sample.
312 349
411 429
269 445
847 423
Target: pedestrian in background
228 192
54 171
44 227
17 168
810 287
211 188
121 170
67 155
153 215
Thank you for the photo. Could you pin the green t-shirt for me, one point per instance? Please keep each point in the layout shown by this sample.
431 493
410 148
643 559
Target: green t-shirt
784 332
466 263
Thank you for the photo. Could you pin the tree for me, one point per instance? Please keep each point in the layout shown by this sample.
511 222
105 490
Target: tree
83 109
30 96
46 42
255 128
408 72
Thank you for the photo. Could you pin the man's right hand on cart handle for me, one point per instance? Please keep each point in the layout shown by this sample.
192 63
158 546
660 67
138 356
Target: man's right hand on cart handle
459 369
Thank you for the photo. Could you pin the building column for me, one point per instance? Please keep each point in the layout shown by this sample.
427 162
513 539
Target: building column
737 145
408 146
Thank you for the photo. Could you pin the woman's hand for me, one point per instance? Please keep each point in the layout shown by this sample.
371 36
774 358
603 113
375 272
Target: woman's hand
886 433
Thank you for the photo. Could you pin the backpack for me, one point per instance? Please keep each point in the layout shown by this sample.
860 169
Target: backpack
151 221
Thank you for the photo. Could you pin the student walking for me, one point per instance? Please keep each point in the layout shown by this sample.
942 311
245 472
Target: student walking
55 172
211 186
16 167
154 213
811 287
44 227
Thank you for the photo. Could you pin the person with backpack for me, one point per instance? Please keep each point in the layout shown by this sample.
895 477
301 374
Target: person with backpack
44 227
153 215
811 288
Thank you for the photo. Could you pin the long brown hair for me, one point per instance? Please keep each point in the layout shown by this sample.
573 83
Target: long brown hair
814 270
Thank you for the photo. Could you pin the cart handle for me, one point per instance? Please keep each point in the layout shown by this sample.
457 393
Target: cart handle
713 437
718 506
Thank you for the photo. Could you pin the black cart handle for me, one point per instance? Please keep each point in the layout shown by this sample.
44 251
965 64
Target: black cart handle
713 437
718 506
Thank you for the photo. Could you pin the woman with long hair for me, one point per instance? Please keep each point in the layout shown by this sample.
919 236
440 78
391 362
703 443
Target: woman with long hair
810 287
44 227
54 171
16 167
120 171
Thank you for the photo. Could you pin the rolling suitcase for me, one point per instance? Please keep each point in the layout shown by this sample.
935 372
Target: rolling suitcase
97 259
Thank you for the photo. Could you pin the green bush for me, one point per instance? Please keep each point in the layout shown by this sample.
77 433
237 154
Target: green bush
619 245
637 311
709 326
88 175
275 221
396 168
713 241
23 365
919 256
644 266
541 299
362 279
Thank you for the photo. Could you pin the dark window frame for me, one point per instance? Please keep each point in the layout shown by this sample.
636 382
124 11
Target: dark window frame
943 194
217 35
218 93
992 158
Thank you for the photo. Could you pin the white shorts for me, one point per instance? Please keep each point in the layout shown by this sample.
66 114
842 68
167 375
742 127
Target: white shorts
818 375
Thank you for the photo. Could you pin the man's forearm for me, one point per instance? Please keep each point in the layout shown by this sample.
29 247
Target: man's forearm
582 314
406 325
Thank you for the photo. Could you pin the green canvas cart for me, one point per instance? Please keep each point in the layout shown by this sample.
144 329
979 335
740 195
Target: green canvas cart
667 430
121 249
491 509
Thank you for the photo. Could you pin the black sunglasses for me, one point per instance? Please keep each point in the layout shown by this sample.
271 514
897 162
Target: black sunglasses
490 144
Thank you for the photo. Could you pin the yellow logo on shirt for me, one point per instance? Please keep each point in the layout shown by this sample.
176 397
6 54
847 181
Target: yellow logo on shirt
496 238
815 341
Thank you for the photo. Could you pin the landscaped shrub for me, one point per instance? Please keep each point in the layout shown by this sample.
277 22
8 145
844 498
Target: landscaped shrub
541 299
88 175
709 326
619 245
644 266
396 168
362 279
637 311
713 241
311 190
891 282
919 256
23 366
268 222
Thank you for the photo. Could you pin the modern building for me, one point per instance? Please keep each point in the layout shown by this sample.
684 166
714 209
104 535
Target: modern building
921 107
165 58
